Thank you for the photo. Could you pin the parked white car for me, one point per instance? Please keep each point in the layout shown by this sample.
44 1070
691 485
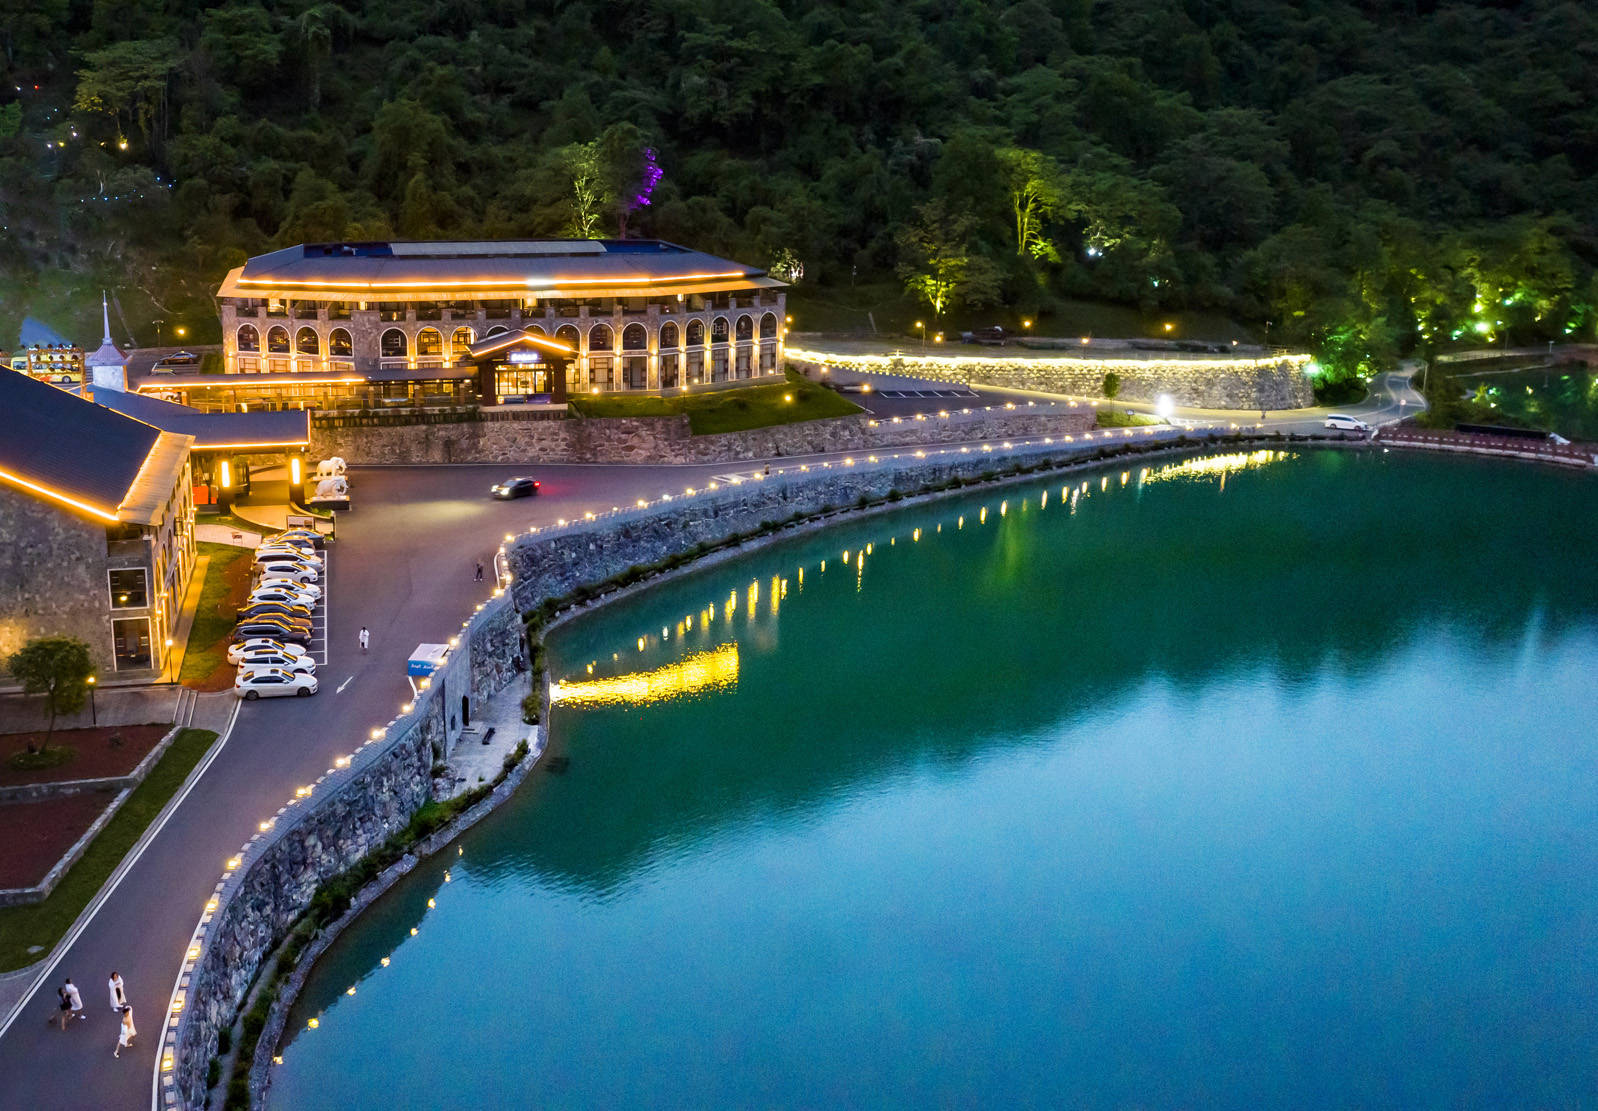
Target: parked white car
236 652
260 659
282 592
272 682
287 569
284 551
308 590
1346 423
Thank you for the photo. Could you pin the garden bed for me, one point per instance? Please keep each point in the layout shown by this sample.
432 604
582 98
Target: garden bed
93 754
37 834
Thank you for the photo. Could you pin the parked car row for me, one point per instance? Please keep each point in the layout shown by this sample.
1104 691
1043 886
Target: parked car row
275 622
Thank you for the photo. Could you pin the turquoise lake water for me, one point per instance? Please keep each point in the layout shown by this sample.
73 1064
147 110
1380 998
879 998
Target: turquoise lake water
1251 781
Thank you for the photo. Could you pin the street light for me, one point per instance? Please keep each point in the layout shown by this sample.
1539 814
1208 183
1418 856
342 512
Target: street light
181 331
94 718
923 326
158 324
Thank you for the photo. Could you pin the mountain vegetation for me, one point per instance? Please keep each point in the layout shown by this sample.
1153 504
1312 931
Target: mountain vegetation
1367 177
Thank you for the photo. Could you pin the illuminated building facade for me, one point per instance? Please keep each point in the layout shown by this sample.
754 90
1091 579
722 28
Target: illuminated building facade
623 315
96 528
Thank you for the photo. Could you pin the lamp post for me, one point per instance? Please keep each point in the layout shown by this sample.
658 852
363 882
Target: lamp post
922 324
94 718
158 324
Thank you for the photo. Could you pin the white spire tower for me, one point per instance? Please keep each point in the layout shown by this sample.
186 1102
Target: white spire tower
107 368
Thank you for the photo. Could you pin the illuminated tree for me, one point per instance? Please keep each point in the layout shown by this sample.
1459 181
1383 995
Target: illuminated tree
128 80
937 263
1035 185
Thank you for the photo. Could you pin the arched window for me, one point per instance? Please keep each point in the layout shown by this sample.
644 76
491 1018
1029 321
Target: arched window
668 335
460 341
599 338
535 330
718 330
746 327
496 330
306 343
568 335
634 338
768 326
429 343
394 344
249 338
696 333
338 343
277 341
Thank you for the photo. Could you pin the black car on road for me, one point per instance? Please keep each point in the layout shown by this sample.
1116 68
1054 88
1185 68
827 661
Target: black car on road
519 487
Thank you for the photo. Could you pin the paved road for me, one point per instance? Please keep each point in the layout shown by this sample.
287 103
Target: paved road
403 567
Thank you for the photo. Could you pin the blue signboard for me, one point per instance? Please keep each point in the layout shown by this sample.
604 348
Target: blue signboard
427 659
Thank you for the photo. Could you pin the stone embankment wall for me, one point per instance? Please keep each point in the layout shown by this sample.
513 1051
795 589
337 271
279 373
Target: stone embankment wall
668 439
1274 382
355 807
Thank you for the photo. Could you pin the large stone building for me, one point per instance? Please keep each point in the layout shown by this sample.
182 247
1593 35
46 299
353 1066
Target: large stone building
96 528
627 315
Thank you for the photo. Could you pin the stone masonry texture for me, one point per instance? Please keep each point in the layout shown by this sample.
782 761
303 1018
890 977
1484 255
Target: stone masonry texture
668 440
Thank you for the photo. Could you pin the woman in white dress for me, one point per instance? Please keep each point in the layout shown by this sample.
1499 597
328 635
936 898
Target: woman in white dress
126 1032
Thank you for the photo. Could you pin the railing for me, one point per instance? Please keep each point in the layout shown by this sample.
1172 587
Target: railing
1578 455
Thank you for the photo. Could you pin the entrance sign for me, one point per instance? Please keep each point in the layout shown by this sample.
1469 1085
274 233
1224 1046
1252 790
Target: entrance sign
427 659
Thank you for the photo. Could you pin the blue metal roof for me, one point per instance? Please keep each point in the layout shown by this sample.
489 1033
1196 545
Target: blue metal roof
68 445
527 264
291 427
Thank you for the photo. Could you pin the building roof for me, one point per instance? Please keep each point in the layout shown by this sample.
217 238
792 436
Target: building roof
501 340
289 428
63 448
543 267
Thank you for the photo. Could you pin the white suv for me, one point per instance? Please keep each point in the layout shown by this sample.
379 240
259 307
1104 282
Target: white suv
1346 423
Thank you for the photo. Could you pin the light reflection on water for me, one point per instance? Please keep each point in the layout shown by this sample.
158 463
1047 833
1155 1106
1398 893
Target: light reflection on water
1061 787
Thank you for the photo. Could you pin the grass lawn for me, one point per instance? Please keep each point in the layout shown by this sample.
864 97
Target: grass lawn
227 582
1120 418
857 308
43 924
731 410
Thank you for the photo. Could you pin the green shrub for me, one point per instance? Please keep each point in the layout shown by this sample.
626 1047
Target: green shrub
532 706
1112 384
50 756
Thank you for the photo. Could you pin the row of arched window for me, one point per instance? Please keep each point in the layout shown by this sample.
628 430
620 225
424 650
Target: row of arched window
430 341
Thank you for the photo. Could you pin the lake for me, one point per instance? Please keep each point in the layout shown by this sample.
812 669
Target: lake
1257 779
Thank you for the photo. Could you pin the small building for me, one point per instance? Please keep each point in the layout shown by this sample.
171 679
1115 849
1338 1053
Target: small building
398 322
107 368
96 528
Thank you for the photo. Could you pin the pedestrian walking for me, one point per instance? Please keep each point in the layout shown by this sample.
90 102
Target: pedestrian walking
479 571
119 998
126 1031
75 997
366 638
65 1010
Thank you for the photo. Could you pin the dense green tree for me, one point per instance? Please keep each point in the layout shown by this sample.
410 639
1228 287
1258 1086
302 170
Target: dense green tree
937 264
1357 174
58 668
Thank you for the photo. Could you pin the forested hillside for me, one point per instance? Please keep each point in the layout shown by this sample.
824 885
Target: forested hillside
1365 175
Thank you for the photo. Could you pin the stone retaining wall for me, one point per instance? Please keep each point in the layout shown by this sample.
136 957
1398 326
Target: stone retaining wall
1275 382
668 439
356 806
